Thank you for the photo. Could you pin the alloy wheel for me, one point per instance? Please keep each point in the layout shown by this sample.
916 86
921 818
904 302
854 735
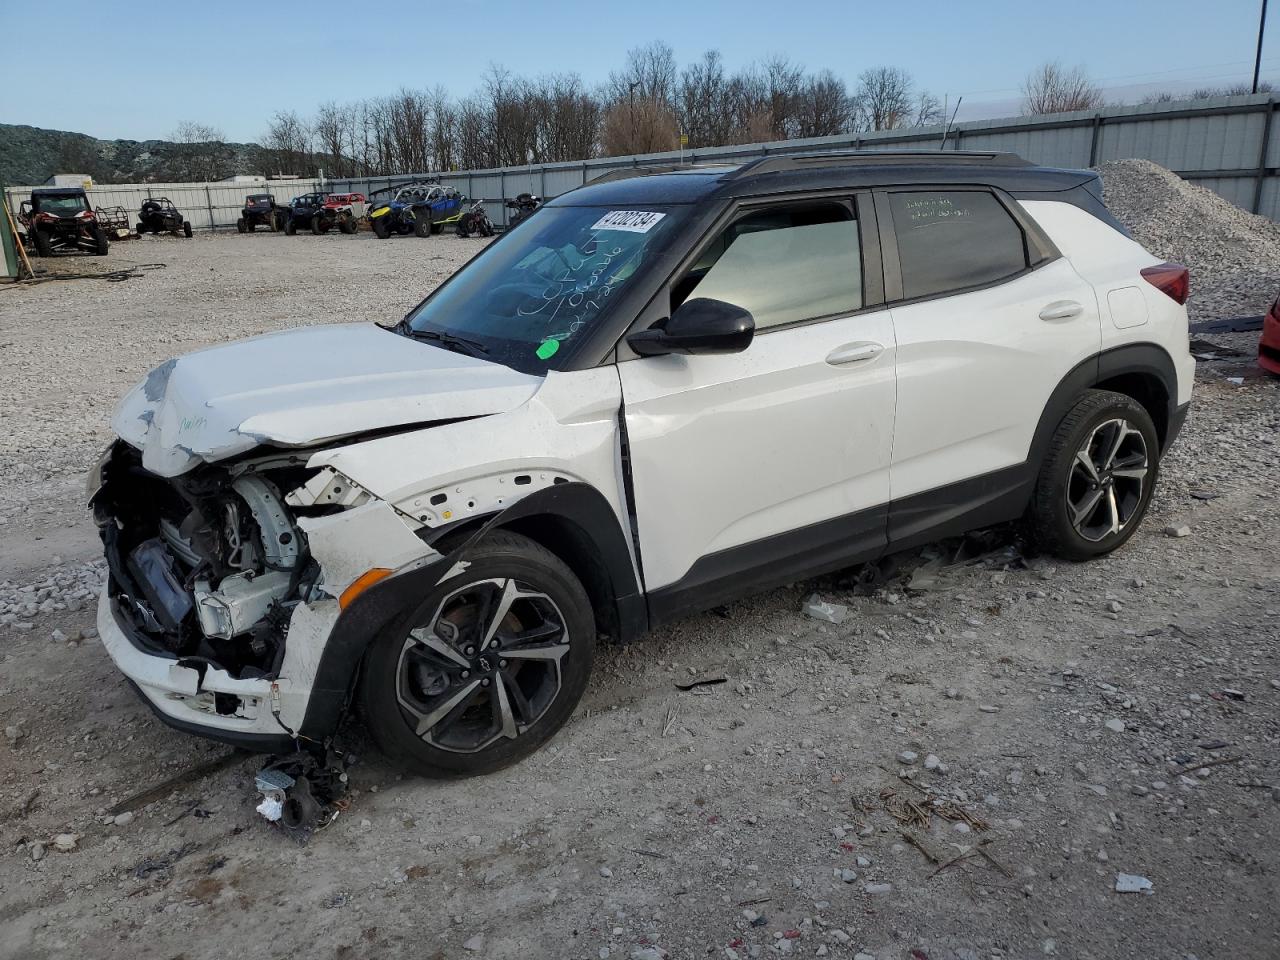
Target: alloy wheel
484 668
1108 480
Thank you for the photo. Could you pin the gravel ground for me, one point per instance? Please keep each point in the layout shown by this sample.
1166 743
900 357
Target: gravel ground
1093 720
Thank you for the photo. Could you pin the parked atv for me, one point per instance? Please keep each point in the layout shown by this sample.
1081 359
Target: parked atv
159 215
342 209
476 221
261 210
421 208
312 211
59 219
522 207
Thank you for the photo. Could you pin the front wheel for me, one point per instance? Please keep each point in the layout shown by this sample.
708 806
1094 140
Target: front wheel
380 228
347 224
422 227
317 225
492 666
290 228
186 229
100 242
242 226
1097 477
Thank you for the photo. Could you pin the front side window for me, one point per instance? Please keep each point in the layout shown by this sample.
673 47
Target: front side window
784 265
950 240
532 295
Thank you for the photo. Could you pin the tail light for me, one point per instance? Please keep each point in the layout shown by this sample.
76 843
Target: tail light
1171 279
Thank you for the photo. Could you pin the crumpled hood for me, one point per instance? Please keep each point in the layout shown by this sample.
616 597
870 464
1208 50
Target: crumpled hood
301 387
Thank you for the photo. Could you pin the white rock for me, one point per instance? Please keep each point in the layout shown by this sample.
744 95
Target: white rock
1116 725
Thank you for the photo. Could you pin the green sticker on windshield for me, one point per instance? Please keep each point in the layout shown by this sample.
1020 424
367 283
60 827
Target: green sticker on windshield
547 349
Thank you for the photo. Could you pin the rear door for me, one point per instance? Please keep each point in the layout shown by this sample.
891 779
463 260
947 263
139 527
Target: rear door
989 319
754 467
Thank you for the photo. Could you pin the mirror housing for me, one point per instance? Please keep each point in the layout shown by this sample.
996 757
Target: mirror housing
699 325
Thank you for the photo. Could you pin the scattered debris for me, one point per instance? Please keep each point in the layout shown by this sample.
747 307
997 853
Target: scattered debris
819 609
1132 883
704 682
65 842
1177 531
302 792
166 787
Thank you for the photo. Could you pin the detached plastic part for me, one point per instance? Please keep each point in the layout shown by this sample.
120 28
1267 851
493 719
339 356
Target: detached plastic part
302 792
819 609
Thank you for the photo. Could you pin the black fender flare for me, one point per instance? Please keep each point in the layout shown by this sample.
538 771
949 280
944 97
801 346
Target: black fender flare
397 600
1148 359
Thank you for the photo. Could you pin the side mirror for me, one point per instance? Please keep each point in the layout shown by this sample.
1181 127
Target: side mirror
700 325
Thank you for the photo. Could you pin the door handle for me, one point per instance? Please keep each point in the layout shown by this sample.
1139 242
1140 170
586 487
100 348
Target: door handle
1061 310
854 352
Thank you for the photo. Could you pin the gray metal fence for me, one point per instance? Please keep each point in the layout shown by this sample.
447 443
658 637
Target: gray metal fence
1229 144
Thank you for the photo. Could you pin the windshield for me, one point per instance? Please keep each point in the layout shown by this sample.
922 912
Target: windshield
529 295
63 206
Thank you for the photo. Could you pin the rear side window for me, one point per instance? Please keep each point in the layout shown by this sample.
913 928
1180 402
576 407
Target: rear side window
784 264
950 240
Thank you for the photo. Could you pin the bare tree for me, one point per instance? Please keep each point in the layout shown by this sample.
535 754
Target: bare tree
639 125
288 144
1051 88
824 108
201 152
703 102
884 98
649 74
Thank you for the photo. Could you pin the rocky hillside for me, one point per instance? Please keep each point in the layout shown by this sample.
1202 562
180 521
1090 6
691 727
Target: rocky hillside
30 155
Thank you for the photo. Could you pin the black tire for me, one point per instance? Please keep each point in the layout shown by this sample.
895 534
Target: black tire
437 229
380 228
242 225
318 225
502 556
186 229
142 228
422 227
44 246
290 228
461 230
347 224
1065 487
100 242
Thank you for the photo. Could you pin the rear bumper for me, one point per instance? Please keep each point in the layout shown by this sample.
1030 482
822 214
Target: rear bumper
1176 421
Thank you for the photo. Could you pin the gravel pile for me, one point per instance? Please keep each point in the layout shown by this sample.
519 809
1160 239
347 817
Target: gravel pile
70 587
1234 255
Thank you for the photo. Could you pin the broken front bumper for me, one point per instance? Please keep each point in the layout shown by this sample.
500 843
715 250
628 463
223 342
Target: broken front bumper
198 698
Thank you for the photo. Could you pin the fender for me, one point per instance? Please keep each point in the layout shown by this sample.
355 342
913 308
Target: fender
1141 358
395 602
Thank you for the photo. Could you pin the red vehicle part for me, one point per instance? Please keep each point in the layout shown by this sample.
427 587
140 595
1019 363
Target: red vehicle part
1269 343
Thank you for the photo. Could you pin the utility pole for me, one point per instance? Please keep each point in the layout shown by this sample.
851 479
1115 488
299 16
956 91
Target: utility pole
1257 60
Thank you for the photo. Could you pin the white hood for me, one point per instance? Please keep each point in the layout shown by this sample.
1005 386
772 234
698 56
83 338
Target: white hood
301 387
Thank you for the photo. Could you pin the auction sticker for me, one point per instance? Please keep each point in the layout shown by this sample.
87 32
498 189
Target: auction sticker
630 221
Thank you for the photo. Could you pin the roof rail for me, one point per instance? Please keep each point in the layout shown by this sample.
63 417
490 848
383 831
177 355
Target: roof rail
646 170
780 163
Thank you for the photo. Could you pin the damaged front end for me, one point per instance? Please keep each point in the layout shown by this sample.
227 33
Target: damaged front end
226 582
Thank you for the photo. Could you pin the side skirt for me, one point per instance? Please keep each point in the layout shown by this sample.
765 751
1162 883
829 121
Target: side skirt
983 501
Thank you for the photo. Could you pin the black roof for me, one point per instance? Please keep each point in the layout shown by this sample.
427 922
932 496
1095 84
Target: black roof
57 191
787 173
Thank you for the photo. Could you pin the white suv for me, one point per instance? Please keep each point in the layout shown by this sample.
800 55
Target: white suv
663 390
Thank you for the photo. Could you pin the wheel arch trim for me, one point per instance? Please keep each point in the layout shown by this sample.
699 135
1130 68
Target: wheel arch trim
395 601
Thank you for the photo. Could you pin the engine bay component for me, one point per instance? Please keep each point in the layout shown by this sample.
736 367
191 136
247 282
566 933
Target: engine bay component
240 601
279 538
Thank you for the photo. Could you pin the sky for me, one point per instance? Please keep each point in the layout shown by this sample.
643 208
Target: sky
234 63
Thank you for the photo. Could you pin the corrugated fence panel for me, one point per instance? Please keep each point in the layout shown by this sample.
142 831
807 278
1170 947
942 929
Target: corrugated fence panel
1218 135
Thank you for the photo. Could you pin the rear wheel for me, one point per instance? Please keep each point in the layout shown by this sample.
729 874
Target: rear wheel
142 227
318 225
186 228
495 666
100 242
1097 477
290 228
242 226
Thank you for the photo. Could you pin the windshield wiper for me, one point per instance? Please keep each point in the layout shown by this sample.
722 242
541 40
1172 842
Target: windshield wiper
446 340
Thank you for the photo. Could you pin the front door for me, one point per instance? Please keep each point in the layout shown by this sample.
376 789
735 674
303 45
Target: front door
755 467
